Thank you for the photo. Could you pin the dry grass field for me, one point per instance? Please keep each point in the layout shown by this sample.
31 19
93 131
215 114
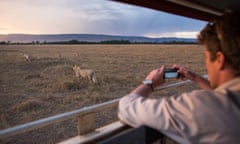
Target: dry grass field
47 85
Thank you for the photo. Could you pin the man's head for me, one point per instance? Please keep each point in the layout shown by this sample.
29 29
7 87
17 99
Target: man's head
222 40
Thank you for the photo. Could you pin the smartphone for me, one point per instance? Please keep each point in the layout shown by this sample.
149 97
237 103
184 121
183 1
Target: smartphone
171 73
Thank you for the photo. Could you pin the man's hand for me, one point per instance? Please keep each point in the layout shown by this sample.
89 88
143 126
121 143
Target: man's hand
157 76
187 73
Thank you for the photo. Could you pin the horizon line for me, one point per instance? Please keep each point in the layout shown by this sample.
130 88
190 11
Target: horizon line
102 35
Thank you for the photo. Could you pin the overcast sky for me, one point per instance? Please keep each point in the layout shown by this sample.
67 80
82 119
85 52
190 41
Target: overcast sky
91 17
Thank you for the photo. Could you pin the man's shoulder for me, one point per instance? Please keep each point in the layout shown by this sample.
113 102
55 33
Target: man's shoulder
196 94
205 99
198 97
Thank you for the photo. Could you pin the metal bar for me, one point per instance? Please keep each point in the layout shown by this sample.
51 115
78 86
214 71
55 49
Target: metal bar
172 85
174 8
92 137
65 116
190 4
176 84
57 118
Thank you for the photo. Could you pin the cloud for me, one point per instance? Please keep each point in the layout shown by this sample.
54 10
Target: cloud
182 34
131 20
95 16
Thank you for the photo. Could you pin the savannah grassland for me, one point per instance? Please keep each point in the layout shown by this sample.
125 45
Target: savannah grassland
47 86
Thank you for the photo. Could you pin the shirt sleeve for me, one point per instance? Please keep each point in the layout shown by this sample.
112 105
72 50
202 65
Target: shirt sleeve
136 110
170 115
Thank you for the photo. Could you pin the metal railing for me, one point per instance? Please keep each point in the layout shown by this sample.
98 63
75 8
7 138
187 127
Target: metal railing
57 118
86 117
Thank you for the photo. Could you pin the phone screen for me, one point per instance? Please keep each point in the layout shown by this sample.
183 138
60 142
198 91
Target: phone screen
171 73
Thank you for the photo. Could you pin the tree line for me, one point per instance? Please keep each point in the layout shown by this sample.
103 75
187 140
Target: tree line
70 42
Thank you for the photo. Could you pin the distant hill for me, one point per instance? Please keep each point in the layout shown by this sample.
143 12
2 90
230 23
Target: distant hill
28 38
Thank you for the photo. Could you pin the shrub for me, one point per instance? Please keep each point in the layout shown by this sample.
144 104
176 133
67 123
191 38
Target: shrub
29 105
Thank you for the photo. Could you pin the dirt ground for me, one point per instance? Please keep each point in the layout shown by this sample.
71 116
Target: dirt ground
46 85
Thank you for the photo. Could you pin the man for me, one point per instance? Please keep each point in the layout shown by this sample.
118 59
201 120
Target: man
210 115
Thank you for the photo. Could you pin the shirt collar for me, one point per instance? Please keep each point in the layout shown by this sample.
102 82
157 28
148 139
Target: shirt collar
233 85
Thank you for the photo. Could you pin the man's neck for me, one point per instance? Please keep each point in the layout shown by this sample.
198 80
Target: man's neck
225 76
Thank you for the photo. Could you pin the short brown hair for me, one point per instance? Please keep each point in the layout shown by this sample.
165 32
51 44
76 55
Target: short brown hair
224 35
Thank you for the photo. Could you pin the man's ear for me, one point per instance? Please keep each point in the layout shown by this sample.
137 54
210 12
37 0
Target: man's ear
221 60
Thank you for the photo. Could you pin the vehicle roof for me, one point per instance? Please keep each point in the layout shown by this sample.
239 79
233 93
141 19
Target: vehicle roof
206 10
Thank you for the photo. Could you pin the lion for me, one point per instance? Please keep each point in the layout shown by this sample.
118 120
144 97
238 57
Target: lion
85 73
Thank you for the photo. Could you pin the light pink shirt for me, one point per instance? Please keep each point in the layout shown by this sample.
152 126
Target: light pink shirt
197 117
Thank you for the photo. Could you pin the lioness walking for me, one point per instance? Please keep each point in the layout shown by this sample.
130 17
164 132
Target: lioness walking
85 73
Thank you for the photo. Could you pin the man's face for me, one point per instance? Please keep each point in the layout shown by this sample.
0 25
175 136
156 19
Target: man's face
212 71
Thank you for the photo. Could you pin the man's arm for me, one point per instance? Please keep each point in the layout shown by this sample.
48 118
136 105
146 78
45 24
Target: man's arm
156 76
187 73
202 82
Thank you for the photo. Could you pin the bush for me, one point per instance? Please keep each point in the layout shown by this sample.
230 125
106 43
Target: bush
29 105
76 84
